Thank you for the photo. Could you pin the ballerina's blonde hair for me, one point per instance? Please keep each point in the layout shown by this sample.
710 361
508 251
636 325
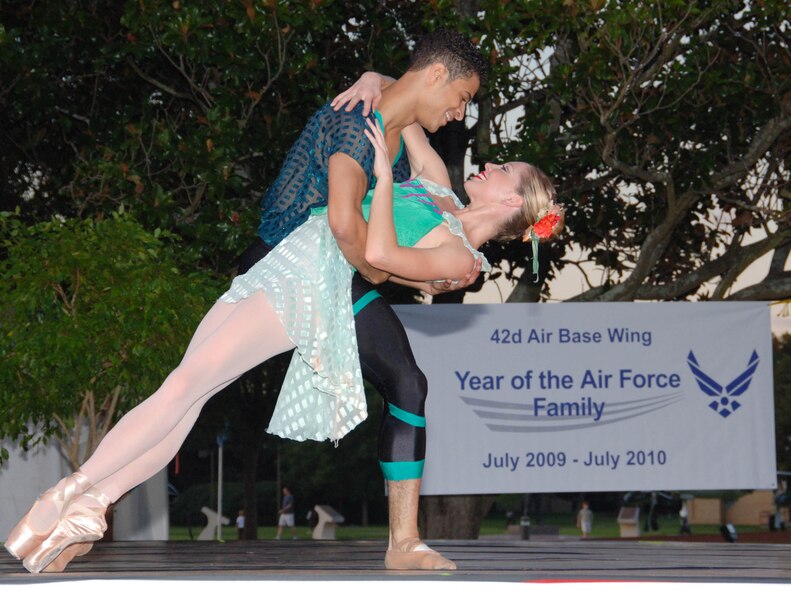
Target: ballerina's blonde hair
540 213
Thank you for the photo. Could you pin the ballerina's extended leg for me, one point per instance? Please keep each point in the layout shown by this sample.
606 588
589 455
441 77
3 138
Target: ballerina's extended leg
137 447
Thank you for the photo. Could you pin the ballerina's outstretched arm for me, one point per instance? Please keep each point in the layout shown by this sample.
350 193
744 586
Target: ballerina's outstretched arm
450 258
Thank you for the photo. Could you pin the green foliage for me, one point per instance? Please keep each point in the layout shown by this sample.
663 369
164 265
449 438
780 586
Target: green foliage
664 124
88 306
182 112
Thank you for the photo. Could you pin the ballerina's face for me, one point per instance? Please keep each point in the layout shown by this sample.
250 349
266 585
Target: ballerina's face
495 182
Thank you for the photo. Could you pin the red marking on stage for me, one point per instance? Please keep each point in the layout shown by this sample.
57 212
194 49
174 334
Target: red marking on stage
551 581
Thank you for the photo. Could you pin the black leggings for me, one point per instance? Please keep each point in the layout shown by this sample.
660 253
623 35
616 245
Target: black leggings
387 362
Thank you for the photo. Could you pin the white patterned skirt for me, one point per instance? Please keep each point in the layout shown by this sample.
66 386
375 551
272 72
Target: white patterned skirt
308 282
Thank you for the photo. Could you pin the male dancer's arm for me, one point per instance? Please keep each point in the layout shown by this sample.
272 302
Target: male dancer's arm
368 90
439 287
347 185
427 164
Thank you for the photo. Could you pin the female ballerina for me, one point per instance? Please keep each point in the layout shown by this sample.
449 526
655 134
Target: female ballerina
296 297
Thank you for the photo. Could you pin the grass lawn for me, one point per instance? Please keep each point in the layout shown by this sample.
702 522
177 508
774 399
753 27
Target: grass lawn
344 532
604 526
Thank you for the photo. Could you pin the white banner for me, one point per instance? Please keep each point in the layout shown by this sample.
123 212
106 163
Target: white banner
595 397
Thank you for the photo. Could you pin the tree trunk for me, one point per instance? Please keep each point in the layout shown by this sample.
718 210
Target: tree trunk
451 142
258 390
249 478
250 432
456 517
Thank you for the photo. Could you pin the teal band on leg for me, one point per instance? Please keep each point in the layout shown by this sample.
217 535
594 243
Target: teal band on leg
407 417
364 301
402 470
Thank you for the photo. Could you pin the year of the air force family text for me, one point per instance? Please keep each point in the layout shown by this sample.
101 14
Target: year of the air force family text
587 406
590 379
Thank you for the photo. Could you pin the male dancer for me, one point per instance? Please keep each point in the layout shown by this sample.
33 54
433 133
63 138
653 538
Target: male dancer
331 164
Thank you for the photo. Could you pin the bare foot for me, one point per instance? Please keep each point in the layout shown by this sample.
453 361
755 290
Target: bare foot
413 554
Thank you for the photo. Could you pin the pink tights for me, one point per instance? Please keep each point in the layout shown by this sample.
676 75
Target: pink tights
231 339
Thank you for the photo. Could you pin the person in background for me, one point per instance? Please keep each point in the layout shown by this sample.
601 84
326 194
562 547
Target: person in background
240 525
585 519
683 516
286 515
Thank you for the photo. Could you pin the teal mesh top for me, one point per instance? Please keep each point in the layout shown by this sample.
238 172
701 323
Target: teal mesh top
303 180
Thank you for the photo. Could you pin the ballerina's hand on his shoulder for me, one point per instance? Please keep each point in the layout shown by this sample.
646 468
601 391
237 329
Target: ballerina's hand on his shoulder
382 169
367 90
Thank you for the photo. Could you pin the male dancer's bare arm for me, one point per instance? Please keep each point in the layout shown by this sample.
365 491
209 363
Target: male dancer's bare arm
347 187
423 158
382 248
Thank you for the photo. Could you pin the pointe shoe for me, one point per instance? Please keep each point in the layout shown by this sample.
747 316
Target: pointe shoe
81 523
64 558
23 539
413 554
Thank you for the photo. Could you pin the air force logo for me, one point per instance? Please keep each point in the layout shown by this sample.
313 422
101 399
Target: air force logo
725 398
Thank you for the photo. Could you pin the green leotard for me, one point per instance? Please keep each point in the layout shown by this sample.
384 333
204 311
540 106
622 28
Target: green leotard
414 212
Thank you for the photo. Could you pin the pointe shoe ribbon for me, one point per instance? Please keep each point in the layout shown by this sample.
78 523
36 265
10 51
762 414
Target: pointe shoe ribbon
83 522
413 554
23 538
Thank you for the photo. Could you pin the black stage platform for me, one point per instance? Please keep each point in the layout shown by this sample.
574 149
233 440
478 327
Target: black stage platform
478 560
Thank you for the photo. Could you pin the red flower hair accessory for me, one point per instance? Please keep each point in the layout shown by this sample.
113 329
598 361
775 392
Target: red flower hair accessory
546 222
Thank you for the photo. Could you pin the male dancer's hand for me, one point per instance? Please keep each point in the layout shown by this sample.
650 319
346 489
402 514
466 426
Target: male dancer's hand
440 287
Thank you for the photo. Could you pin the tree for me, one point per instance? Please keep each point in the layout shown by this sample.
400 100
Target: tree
181 112
782 378
347 477
665 124
674 183
92 314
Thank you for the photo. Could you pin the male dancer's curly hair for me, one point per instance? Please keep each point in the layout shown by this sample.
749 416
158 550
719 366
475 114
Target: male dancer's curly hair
458 54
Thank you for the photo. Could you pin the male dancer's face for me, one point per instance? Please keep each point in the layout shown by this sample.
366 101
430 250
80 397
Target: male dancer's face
446 100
